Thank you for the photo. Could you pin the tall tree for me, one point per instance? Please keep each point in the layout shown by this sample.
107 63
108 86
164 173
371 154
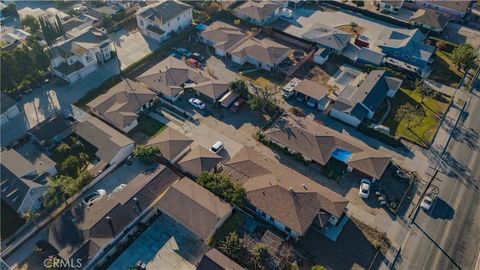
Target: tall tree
264 100
60 30
240 86
223 187
30 215
9 76
408 113
464 56
423 89
30 22
146 153
232 245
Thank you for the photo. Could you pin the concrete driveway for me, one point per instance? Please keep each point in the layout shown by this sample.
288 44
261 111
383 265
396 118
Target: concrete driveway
164 245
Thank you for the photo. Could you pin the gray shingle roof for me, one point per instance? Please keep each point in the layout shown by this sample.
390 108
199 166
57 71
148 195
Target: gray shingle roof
327 36
164 11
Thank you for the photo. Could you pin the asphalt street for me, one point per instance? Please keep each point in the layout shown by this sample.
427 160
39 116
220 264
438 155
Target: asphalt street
448 235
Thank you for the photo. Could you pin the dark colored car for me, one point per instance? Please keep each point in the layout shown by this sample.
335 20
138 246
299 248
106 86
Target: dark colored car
236 105
198 57
184 52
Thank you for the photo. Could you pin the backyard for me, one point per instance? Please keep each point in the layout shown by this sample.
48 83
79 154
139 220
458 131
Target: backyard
76 148
264 79
444 71
10 221
146 128
424 125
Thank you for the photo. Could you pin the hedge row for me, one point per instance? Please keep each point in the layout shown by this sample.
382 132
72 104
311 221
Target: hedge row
385 138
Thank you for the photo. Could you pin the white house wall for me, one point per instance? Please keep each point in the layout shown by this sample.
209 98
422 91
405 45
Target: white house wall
122 154
344 117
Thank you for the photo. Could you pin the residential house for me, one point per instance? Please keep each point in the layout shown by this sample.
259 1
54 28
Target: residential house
159 20
429 20
75 58
108 10
9 109
172 76
199 160
172 144
389 6
408 47
90 233
215 260
48 14
112 146
52 130
264 53
260 12
222 37
195 208
76 25
13 35
283 197
120 105
452 9
319 143
24 177
315 91
356 103
335 40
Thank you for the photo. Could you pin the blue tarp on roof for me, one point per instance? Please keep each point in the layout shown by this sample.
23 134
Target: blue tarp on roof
201 27
342 155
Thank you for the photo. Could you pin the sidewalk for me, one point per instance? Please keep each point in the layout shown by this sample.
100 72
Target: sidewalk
424 162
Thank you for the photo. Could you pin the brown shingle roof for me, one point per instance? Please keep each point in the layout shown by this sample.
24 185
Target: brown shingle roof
120 104
257 9
264 50
224 36
215 260
198 160
81 231
282 193
169 76
312 89
318 142
431 18
170 143
196 208
107 140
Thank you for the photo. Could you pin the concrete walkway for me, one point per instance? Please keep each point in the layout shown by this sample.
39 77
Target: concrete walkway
384 116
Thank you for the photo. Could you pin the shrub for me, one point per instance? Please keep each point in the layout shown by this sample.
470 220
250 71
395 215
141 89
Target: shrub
146 153
223 187
70 166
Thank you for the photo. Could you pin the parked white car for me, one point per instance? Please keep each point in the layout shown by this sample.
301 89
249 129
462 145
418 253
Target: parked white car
364 191
216 147
91 198
197 103
117 189
426 203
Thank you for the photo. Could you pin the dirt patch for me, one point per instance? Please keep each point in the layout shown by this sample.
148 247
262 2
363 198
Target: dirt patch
378 239
352 29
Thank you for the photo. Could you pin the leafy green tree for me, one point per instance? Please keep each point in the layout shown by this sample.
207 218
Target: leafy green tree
10 10
70 166
107 20
423 89
40 58
55 193
407 112
31 22
223 187
263 100
63 148
30 215
319 267
146 153
464 56
232 245
240 86
9 76
259 256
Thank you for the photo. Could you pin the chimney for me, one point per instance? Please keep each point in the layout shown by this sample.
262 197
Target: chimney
137 203
110 223
304 186
291 189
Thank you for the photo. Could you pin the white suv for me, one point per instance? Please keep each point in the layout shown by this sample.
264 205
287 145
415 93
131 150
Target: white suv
216 147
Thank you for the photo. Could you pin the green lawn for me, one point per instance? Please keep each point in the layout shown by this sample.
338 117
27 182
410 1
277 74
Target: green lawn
10 221
148 126
424 127
444 71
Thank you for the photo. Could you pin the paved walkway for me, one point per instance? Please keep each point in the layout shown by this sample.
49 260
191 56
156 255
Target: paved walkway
384 116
